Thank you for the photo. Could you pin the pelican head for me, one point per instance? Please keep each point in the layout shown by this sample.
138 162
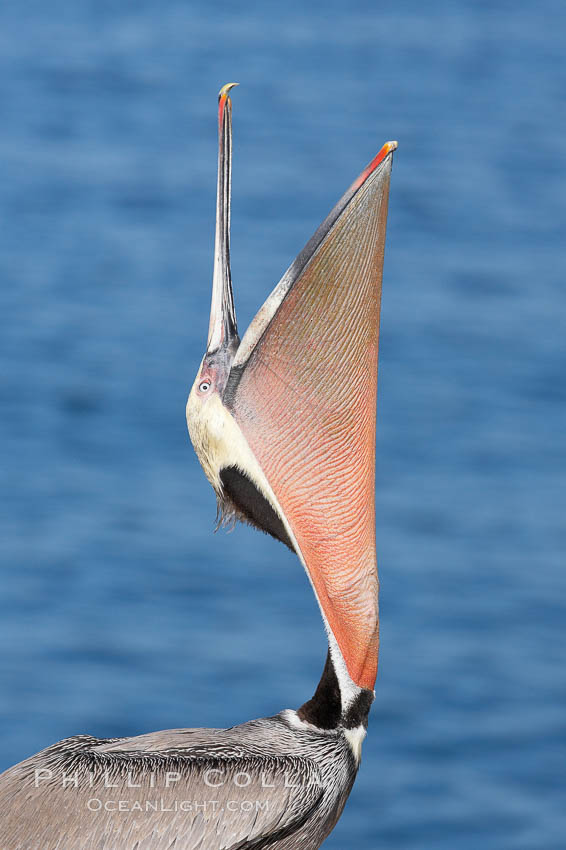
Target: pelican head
283 421
223 339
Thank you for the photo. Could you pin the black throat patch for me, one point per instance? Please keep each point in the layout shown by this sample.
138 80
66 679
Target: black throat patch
250 505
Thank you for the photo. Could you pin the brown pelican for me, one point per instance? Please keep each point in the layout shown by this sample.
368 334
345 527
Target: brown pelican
283 423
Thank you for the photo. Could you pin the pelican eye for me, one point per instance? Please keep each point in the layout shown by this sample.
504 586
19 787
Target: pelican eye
204 386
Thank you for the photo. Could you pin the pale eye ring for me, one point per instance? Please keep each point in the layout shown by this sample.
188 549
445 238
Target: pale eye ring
204 386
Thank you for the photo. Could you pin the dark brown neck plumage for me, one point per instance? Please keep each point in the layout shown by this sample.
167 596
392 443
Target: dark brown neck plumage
324 710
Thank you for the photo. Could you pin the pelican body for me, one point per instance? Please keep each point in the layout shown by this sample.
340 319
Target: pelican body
283 424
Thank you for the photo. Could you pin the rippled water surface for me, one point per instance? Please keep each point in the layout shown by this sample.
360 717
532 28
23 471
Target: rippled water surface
120 611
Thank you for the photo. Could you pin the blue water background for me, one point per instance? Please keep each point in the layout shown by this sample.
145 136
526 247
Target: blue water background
120 611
